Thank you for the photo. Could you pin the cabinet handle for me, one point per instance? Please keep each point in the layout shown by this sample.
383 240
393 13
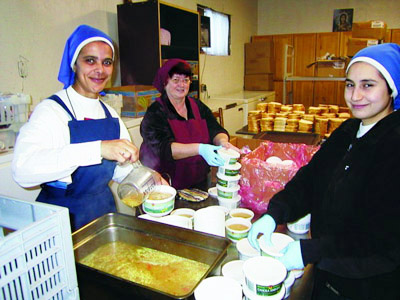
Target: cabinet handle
231 105
240 109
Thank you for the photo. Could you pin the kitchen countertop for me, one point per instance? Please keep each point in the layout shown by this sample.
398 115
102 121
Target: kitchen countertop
236 98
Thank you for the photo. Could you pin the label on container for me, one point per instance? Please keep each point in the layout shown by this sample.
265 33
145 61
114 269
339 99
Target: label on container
227 195
229 172
269 290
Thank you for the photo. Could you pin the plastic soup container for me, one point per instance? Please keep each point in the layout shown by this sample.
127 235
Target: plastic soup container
228 181
237 228
301 226
227 192
229 203
160 207
264 276
230 170
245 250
230 156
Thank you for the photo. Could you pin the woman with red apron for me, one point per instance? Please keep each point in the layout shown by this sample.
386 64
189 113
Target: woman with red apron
180 134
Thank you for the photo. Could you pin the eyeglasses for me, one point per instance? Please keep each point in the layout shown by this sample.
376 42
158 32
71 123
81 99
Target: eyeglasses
185 81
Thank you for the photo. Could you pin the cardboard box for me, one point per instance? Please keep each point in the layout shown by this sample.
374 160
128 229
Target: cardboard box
259 82
330 69
135 98
355 45
371 29
259 58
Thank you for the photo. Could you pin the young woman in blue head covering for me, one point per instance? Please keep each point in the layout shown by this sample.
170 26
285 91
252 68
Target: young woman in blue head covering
350 187
73 141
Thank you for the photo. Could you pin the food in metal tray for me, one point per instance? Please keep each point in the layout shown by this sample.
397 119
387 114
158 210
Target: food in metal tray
152 268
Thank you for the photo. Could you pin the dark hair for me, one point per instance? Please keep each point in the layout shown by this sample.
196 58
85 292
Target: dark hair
181 69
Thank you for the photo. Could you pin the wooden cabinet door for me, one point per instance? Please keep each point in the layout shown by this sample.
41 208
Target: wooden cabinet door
395 36
328 42
303 92
340 94
325 92
344 39
280 41
304 53
278 88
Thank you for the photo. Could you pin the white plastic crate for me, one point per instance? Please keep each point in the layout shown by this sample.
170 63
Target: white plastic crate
14 110
36 252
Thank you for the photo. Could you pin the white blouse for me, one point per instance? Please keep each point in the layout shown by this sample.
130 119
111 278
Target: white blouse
43 152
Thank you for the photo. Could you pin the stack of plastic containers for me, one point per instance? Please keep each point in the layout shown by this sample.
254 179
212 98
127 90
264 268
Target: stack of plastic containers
228 179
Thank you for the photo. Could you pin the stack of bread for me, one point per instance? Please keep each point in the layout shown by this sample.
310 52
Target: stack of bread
275 116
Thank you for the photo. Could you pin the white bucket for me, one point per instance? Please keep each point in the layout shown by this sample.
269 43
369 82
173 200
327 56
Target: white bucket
245 250
218 287
210 220
237 229
278 240
227 181
301 226
231 170
264 276
230 203
227 192
234 270
230 156
249 295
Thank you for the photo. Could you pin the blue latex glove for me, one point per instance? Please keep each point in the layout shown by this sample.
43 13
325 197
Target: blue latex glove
208 152
292 258
265 225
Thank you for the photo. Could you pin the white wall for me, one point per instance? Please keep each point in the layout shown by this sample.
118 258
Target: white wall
38 29
303 16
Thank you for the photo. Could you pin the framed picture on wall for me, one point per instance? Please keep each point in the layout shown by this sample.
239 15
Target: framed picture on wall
342 19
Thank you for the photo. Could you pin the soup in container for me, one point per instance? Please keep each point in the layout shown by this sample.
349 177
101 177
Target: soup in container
230 170
227 192
184 212
227 181
245 250
230 156
160 201
242 213
237 229
264 276
229 203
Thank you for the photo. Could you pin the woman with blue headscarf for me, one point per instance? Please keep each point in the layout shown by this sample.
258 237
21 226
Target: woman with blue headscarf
73 141
350 187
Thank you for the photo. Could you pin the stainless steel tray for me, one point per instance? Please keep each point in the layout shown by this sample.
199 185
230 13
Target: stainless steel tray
95 284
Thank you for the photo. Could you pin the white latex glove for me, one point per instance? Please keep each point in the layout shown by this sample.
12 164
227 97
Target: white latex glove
292 257
265 225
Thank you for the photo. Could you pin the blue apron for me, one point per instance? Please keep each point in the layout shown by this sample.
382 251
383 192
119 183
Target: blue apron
88 196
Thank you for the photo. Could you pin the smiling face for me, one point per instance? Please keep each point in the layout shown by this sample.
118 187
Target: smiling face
177 87
366 93
93 69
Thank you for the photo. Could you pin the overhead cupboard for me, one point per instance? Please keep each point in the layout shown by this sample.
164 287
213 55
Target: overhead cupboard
151 32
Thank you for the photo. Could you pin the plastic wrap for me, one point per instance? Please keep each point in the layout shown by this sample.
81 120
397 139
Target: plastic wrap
261 180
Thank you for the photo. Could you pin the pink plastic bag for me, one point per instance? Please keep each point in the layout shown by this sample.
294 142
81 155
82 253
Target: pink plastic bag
260 181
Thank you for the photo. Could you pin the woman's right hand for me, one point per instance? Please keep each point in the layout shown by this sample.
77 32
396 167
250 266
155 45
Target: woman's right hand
119 150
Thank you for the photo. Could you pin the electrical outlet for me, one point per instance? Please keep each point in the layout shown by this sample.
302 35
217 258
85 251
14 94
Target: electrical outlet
203 88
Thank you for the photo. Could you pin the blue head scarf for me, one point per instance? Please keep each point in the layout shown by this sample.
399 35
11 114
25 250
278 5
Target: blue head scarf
385 58
82 36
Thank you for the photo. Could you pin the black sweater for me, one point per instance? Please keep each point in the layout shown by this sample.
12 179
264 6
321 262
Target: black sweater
351 188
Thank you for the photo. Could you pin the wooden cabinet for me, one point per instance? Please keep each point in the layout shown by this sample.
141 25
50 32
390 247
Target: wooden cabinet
395 36
304 53
141 52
